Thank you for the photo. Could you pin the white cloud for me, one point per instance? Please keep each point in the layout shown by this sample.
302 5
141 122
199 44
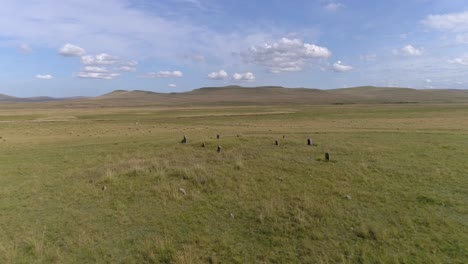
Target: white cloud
460 60
428 80
114 26
98 75
456 22
25 49
96 66
127 69
44 76
100 59
100 72
333 6
70 50
130 63
164 74
409 50
340 67
220 75
286 55
95 69
244 77
172 85
121 29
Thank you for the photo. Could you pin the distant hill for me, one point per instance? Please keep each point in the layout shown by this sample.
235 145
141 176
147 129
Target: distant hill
229 95
7 98
263 95
237 95
369 94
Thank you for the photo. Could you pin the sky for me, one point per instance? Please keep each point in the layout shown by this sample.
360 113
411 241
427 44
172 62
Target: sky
88 47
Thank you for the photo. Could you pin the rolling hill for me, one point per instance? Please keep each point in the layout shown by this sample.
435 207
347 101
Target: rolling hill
237 95
230 95
7 98
395 95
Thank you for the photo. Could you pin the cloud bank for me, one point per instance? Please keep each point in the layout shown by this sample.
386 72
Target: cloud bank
286 55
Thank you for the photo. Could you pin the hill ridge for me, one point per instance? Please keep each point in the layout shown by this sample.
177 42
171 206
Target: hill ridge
261 95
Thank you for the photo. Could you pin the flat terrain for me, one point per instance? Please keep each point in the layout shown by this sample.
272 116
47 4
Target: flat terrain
395 191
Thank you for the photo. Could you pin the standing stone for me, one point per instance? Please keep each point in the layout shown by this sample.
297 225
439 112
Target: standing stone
184 140
277 143
309 142
203 145
284 136
217 136
220 148
327 156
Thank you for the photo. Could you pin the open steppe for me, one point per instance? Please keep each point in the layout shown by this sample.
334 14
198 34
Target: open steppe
115 185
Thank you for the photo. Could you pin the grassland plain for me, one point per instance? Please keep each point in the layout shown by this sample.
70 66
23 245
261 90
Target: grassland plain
396 190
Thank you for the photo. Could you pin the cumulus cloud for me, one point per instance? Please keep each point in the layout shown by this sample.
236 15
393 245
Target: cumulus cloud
244 77
164 74
95 69
96 66
220 75
98 75
333 6
70 50
121 29
340 67
25 49
103 73
98 72
172 85
460 60
44 76
99 59
286 55
409 50
428 80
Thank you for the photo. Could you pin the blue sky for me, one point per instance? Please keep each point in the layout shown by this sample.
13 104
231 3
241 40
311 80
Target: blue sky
89 47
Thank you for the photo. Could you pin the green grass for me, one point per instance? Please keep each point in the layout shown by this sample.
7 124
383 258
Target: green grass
395 191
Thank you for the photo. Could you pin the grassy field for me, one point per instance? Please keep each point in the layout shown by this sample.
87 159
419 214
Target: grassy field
395 191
